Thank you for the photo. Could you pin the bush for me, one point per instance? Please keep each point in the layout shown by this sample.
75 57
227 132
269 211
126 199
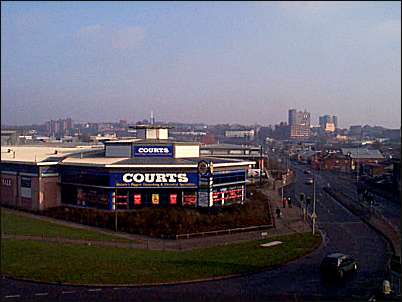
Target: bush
169 222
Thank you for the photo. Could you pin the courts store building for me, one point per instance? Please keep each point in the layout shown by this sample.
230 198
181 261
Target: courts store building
153 171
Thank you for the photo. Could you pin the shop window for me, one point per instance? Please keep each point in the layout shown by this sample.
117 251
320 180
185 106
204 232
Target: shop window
26 187
25 182
6 182
92 198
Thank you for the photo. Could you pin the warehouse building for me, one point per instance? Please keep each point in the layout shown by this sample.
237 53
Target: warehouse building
121 174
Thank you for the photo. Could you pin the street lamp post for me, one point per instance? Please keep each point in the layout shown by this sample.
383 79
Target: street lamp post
261 165
314 215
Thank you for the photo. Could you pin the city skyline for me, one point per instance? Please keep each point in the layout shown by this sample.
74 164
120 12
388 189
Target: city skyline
215 63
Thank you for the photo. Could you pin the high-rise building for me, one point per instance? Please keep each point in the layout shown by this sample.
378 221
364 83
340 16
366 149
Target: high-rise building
59 128
328 123
335 121
299 123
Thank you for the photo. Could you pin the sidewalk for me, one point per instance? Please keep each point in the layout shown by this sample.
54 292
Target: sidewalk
291 219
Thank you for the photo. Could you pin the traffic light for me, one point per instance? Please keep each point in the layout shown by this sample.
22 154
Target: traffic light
308 200
301 197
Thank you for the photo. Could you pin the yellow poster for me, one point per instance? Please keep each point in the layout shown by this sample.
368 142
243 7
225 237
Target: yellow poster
155 198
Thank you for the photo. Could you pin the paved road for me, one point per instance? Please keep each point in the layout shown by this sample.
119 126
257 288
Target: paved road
298 280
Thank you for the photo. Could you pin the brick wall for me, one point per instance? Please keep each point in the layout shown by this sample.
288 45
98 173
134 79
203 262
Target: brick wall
50 192
8 185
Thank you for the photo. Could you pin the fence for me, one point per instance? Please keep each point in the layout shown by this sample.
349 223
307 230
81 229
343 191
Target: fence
223 232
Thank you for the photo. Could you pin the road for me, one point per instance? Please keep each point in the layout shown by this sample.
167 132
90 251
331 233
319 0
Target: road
298 280
390 209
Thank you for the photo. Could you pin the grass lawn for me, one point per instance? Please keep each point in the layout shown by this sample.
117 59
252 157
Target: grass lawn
15 224
95 265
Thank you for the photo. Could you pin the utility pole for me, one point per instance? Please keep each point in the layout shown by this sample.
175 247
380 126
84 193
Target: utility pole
314 215
115 210
261 164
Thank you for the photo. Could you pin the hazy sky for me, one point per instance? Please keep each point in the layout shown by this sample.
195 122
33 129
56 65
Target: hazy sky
213 62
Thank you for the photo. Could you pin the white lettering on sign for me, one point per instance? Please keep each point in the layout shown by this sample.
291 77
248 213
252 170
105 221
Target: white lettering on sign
155 177
153 150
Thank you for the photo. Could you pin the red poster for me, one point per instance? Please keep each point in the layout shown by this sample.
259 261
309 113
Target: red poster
189 200
173 198
137 199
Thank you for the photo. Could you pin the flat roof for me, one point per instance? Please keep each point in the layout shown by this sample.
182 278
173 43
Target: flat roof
362 153
152 162
150 127
39 154
229 146
142 141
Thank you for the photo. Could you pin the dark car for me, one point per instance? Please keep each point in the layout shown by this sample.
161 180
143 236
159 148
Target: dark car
307 172
309 181
337 265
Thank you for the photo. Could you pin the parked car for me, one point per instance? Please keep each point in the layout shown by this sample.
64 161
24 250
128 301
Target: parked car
307 172
337 265
309 181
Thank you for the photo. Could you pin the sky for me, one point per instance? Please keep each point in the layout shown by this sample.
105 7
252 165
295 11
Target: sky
210 62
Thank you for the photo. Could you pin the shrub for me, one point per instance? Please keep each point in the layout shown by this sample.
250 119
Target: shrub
168 222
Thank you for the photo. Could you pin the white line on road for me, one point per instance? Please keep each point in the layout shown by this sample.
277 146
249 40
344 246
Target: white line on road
94 290
13 296
68 292
41 294
118 288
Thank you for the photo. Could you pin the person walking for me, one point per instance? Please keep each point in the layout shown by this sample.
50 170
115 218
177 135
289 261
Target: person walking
278 212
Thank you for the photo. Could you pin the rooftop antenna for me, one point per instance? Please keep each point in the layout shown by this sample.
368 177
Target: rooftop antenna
152 118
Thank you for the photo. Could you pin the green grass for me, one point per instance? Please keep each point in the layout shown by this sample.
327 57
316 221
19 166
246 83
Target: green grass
13 223
96 265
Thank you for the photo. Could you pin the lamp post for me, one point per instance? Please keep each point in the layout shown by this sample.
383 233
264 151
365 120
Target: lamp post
314 215
261 165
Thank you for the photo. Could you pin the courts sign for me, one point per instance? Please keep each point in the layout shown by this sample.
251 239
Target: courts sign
153 151
155 177
142 180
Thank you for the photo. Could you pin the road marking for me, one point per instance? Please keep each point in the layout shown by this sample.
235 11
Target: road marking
118 288
12 296
94 290
68 292
41 294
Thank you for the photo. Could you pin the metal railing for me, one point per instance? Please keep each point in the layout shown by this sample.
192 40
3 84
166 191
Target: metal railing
223 232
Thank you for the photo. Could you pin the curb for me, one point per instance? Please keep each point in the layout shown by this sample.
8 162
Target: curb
140 285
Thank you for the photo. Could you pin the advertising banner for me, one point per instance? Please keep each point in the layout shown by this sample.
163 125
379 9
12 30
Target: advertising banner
173 199
137 199
155 180
189 200
153 151
155 198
